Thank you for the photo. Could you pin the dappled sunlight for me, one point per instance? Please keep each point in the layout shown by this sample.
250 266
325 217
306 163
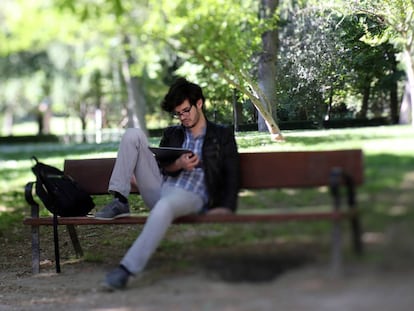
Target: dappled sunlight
4 209
370 139
287 191
405 200
403 146
290 191
408 182
285 199
246 193
9 164
398 210
373 238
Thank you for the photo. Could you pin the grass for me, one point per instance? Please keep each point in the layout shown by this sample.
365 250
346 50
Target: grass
388 157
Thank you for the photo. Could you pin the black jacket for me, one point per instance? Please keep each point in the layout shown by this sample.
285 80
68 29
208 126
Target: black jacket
220 162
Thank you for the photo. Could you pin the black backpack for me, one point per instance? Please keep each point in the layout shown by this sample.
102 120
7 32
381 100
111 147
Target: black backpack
60 194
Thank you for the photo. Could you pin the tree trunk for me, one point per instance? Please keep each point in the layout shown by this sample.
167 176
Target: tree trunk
237 111
97 86
83 111
83 127
255 94
328 115
394 91
365 101
136 106
410 80
267 62
8 120
394 102
44 115
405 109
271 125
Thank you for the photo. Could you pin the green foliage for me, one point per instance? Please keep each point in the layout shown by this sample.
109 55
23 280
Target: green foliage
220 40
397 16
325 61
214 42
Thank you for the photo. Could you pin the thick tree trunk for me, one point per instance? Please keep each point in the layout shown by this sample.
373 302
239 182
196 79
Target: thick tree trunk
267 62
136 106
410 85
405 109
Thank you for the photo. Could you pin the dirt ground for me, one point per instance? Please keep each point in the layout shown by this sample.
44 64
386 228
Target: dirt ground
232 280
235 279
306 288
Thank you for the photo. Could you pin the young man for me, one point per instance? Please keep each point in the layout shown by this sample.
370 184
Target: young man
205 180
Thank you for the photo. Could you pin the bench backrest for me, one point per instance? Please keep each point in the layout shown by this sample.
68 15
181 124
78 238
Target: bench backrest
259 170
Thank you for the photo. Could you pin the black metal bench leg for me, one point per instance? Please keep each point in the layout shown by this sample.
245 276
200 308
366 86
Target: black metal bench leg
34 213
354 220
35 250
336 261
56 242
336 256
357 235
75 241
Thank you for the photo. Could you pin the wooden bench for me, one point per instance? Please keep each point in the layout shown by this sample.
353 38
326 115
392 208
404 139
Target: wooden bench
265 170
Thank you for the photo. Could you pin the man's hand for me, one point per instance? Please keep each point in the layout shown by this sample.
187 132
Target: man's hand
188 161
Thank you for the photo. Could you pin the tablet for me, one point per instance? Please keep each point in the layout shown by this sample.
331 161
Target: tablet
168 153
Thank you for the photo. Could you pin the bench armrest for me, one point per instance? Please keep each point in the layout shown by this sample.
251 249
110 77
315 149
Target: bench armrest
28 195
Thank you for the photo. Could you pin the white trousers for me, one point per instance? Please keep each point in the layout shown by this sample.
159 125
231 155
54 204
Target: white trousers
165 202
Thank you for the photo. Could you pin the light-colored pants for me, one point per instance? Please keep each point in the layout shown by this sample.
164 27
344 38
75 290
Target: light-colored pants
165 202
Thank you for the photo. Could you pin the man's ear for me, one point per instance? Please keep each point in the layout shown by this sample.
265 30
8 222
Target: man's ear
199 103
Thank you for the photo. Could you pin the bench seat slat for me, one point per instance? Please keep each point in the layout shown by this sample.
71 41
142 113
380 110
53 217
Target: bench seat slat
196 219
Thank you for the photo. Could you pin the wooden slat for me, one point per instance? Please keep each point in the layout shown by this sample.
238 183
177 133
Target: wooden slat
197 219
259 170
298 168
93 174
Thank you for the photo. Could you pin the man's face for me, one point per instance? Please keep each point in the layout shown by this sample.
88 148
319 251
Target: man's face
188 114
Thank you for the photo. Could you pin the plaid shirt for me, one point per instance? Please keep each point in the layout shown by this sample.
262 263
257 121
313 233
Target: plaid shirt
192 180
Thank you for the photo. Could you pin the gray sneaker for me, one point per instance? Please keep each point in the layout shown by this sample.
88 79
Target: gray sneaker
117 279
115 209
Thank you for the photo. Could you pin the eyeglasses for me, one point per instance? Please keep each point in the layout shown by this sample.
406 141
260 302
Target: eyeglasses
184 113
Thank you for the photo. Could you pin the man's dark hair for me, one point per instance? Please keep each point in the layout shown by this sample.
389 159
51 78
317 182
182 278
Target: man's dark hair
179 92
